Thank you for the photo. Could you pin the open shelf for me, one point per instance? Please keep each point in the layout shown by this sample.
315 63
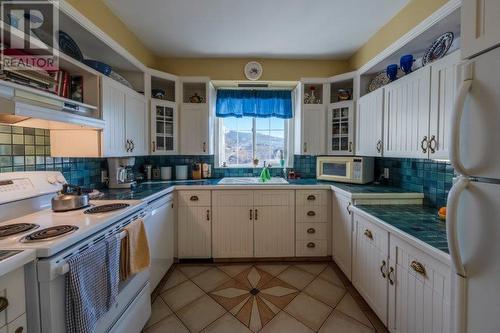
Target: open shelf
337 87
192 89
313 88
162 87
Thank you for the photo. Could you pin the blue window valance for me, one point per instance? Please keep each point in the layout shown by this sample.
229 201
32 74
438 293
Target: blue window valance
254 103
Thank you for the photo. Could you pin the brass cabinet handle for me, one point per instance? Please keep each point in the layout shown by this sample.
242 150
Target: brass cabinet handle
311 245
347 208
153 148
368 234
424 144
379 146
208 214
390 275
419 268
311 231
132 147
4 303
311 197
127 146
256 214
19 330
433 144
311 213
350 146
194 198
382 269
204 147
305 147
251 215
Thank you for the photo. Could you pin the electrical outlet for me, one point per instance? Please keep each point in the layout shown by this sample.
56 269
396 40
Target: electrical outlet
386 173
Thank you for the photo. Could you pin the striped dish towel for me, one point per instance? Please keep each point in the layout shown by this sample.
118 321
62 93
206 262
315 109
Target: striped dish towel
92 285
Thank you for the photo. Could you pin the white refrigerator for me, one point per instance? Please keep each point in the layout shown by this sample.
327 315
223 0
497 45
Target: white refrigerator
473 222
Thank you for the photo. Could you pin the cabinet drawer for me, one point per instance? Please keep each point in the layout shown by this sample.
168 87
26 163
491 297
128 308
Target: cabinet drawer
312 248
311 214
311 198
194 198
311 231
12 288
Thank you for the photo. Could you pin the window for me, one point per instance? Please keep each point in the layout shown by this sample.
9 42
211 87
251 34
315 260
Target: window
242 140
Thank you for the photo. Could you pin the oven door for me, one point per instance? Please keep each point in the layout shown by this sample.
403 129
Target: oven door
339 170
53 309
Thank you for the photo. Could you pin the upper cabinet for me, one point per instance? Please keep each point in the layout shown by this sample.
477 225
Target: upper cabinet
341 128
197 116
369 124
480 26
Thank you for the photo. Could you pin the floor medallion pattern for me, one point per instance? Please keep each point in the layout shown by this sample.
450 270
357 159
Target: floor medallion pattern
254 297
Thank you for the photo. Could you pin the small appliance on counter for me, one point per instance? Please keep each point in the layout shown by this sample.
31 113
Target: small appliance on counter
346 169
71 197
120 172
196 172
166 173
181 172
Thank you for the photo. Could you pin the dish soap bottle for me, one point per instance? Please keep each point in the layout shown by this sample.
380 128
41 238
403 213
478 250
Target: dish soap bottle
265 175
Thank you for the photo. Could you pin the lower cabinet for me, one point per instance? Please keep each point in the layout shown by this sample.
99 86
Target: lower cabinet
407 288
342 233
253 223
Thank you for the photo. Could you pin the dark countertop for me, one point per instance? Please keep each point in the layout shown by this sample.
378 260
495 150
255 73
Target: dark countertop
418 221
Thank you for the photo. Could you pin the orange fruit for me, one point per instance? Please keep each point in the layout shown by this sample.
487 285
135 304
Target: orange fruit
442 211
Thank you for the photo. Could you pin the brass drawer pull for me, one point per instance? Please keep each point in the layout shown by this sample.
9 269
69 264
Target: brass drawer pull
251 215
311 213
311 197
4 303
194 198
390 275
382 269
368 234
311 245
311 231
419 268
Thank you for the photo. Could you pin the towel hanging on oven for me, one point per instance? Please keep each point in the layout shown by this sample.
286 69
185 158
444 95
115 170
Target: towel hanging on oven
92 285
134 256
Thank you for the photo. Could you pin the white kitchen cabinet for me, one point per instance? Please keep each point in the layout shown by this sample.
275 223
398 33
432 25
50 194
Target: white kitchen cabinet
342 232
194 224
124 112
370 261
406 115
274 223
313 129
340 127
195 129
164 124
369 124
480 28
419 290
232 225
444 88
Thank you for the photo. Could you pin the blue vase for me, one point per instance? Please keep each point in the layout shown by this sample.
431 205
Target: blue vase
392 72
406 63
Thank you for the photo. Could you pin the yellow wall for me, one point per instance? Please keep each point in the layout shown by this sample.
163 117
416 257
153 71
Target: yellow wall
232 68
410 16
100 14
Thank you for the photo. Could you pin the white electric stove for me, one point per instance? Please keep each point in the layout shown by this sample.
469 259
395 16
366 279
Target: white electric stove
28 222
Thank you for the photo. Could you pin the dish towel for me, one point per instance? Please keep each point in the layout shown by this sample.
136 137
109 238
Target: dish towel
134 250
92 285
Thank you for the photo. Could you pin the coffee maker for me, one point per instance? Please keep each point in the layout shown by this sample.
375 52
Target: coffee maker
120 173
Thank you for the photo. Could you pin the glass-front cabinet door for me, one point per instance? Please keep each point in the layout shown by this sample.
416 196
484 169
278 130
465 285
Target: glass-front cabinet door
163 127
340 128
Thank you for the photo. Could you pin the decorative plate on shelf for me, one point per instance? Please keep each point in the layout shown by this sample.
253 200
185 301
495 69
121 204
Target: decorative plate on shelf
378 81
69 46
117 77
253 70
438 49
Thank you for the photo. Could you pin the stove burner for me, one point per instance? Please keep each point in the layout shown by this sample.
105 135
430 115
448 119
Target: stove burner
49 233
13 229
105 208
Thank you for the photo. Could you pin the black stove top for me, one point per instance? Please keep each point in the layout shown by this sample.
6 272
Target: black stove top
49 233
17 228
105 208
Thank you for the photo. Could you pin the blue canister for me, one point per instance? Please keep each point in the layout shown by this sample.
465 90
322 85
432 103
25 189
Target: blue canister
406 63
392 72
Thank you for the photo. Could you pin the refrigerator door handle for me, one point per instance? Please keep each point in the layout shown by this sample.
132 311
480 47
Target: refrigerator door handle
451 224
456 117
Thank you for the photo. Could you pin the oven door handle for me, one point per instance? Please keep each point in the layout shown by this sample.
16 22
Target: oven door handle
64 267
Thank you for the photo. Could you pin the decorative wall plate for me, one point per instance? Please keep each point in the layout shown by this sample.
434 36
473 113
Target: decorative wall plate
438 49
253 70
378 81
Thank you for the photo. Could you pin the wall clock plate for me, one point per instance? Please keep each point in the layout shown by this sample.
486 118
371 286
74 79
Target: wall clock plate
253 70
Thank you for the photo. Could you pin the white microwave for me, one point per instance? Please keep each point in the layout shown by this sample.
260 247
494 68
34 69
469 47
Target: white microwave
347 169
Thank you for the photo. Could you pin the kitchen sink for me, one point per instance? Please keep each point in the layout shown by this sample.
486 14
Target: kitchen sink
251 181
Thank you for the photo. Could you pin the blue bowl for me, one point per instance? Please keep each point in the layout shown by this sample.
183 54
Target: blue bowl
98 66
392 72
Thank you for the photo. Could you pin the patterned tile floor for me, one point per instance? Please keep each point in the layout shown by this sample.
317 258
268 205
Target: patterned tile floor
260 297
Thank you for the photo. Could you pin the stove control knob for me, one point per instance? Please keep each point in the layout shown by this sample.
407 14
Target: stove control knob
52 180
60 179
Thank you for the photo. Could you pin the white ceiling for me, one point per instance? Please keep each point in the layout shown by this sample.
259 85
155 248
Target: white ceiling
255 28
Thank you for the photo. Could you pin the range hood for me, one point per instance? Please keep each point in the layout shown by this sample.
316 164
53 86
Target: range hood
30 108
